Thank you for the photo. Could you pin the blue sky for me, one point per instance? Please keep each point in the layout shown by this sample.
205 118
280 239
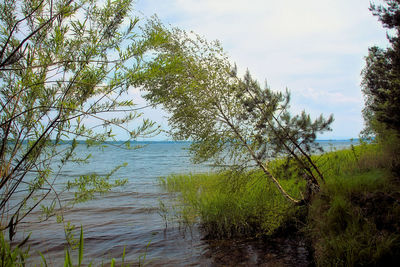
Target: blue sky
314 48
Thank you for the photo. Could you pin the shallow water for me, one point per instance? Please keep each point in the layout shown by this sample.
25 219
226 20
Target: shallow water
130 217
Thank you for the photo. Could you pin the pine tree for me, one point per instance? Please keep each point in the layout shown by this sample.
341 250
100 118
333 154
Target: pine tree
381 75
231 120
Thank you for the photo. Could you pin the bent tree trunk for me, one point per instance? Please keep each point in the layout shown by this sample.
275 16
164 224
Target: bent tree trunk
262 166
312 188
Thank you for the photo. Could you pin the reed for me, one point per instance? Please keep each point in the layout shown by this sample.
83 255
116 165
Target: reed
232 204
19 256
12 256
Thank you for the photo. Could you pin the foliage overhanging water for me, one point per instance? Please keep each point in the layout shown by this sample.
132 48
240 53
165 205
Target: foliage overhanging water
130 216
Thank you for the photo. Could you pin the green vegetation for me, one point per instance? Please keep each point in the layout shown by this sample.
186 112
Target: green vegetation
231 120
354 220
65 71
231 205
12 256
58 73
66 68
19 257
381 83
381 74
352 216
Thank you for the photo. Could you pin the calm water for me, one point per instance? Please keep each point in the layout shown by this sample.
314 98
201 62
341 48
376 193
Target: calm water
130 217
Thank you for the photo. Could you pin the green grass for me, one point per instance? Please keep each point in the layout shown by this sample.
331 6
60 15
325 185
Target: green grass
232 204
12 256
357 159
353 221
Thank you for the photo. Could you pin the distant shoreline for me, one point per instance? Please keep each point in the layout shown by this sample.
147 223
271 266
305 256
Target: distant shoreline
353 140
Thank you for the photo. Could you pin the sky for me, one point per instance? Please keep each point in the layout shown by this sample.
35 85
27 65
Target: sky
315 48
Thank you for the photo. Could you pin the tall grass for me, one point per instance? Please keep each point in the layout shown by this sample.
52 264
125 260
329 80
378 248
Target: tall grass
10 256
354 221
356 159
232 204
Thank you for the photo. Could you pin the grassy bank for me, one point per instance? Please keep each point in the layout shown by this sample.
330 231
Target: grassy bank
231 205
354 220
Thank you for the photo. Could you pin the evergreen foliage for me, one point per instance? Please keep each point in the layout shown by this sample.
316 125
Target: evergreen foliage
231 120
381 75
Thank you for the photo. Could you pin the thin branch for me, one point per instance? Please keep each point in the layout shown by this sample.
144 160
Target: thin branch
259 163
15 27
64 62
290 138
2 64
83 113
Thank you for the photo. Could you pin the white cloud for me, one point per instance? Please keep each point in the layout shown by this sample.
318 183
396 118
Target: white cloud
327 97
313 47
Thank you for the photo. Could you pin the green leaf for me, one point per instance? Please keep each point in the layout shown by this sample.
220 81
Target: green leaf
80 255
43 259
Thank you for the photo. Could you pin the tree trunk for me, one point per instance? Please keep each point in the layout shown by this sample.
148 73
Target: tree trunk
312 188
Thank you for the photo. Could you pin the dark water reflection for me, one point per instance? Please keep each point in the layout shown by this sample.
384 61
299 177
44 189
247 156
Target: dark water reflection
130 218
146 240
276 252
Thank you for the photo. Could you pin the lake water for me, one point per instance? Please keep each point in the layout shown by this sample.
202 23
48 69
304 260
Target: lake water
130 217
